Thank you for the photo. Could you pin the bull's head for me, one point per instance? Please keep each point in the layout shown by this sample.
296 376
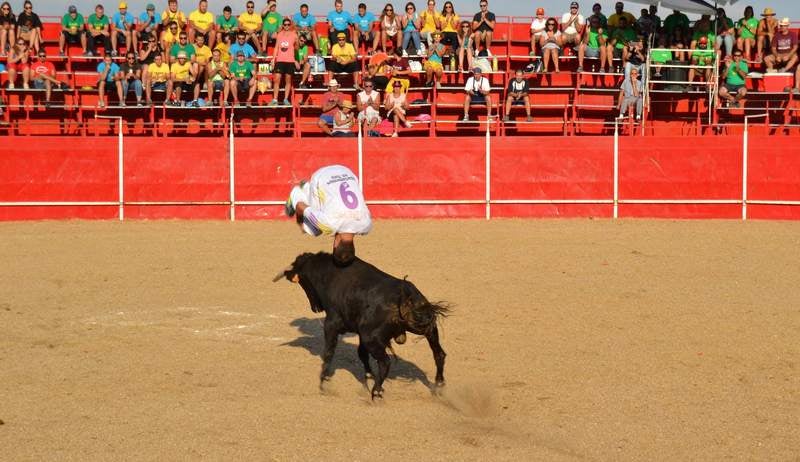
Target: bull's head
296 273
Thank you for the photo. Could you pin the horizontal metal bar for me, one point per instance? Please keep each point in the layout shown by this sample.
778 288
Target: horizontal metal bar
178 203
57 204
552 201
768 202
680 201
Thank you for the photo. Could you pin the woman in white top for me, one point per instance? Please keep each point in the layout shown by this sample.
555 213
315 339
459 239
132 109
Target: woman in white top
537 28
343 120
397 106
550 41
390 26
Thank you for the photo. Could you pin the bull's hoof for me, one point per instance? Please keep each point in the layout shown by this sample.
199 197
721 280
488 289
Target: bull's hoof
377 395
400 339
369 376
439 383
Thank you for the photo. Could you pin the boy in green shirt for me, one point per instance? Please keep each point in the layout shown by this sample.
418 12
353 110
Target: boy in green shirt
270 24
227 26
98 30
242 78
71 27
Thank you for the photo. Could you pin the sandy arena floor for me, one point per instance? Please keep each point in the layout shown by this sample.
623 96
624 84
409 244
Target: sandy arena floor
585 339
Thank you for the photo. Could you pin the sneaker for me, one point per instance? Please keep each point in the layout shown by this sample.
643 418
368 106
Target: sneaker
394 135
506 118
62 54
139 103
10 85
88 53
122 103
26 86
529 119
580 69
274 102
101 104
114 53
465 118
149 102
289 206
405 53
408 124
286 102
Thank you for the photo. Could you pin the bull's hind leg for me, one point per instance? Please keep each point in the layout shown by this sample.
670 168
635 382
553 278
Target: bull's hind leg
363 355
331 339
378 352
438 355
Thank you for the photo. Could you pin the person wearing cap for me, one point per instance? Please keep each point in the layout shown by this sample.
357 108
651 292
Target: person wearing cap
701 55
433 65
344 120
146 25
784 49
98 30
594 45
619 12
766 30
201 22
243 78
183 46
477 89
250 23
156 77
331 100
72 30
331 203
108 74
363 28
272 24
218 75
483 24
227 26
343 59
537 29
172 13
746 29
305 24
397 106
182 76
339 22
733 89
122 29
284 62
572 25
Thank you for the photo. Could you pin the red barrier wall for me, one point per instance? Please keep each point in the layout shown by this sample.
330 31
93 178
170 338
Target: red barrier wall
522 168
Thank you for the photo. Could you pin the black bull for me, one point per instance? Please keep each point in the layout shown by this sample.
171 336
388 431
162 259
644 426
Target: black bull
362 299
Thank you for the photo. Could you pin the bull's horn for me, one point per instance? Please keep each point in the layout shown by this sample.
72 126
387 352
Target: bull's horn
280 275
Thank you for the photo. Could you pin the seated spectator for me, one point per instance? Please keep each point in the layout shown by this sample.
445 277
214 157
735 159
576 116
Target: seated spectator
538 26
170 36
597 12
410 23
368 103
302 62
305 24
343 121
218 75
122 24
594 45
109 74
397 106
71 31
399 70
477 89
8 26
389 29
173 14
331 100
784 49
433 66
466 49
227 26
483 24
735 73
43 76
131 72
146 25
630 94
702 56
147 55
284 62
572 26
250 24
517 91
156 78
343 59
678 40
339 22
183 46
243 78
224 50
201 22
614 21
271 24
430 21
676 21
19 59
182 77
363 25
634 56
766 30
746 29
29 27
450 25
660 56
550 43
98 31
725 32
618 44
241 45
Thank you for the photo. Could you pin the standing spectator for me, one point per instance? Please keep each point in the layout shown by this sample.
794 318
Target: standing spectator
450 24
43 76
284 62
339 22
242 45
343 59
243 78
483 25
182 75
218 75
397 106
644 25
271 21
305 24
572 25
108 74
466 50
390 28
363 23
550 43
227 26
29 27
8 25
122 24
183 46
202 58
477 89
131 72
594 45
735 73
368 103
343 121
410 24
19 63
172 13
746 29
430 22
71 31
331 100
433 66
250 24
156 77
146 25
676 21
538 26
97 31
630 94
517 91
725 32
784 49
655 19
660 56
766 31
619 13
170 36
201 22
597 12
147 55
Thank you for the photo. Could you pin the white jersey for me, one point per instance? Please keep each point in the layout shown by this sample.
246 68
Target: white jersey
335 203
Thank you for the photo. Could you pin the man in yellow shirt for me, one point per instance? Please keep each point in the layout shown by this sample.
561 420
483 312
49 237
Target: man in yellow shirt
182 78
172 13
170 36
343 59
431 22
250 23
224 52
201 22
156 77
619 12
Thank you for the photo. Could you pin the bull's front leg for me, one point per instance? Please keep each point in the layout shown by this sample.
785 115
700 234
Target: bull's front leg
331 330
363 355
438 355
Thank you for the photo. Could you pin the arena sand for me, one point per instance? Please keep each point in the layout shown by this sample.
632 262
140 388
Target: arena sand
573 339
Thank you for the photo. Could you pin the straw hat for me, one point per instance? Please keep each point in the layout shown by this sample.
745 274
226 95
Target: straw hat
768 12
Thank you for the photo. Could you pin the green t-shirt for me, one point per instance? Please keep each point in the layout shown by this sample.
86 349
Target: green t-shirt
301 54
594 39
97 23
623 36
733 78
227 25
72 25
660 57
675 21
245 70
272 22
176 48
712 37
750 31
703 56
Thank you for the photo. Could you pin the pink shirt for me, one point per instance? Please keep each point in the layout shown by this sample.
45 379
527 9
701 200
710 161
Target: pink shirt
285 47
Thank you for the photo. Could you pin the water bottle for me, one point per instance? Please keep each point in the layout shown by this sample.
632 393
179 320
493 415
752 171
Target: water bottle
452 63
494 64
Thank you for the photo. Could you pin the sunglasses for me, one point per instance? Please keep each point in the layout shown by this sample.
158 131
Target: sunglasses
5 8
409 8
388 10
287 24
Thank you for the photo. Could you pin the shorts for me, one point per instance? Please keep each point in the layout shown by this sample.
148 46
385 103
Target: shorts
551 46
243 85
306 34
161 86
317 222
72 39
592 52
617 53
369 114
38 84
380 82
434 66
570 38
19 67
219 85
732 88
185 86
343 68
478 99
366 36
450 39
120 37
284 68
327 118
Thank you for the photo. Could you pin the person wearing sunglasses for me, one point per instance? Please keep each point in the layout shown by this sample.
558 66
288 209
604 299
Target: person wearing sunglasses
8 26
550 44
430 22
284 62
184 46
150 48
411 24
483 24
450 23
131 72
389 28
466 50
43 76
251 24
72 25
98 30
368 103
343 59
271 24
19 63
29 27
